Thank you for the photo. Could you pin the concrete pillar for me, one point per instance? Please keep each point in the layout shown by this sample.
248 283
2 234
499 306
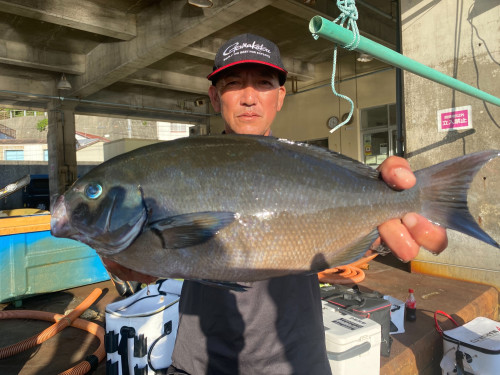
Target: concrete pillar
62 147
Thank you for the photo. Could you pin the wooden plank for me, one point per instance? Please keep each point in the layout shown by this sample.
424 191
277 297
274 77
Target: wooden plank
24 224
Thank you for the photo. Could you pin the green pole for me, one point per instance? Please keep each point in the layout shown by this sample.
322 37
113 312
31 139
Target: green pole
329 30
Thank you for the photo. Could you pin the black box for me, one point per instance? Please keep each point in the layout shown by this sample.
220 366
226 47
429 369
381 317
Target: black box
37 194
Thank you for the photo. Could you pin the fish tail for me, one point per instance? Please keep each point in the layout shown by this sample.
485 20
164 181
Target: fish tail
443 189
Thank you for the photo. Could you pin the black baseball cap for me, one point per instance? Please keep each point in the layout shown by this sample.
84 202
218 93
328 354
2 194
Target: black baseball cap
248 48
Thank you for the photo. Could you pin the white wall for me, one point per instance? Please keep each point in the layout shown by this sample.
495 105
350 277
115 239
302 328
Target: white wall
92 153
304 115
462 40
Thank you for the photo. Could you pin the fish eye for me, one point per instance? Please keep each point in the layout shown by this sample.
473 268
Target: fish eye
93 190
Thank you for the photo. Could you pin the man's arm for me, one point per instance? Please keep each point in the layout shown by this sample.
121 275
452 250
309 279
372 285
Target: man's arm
404 237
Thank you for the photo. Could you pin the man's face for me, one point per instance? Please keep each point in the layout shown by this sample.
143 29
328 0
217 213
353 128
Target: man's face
248 96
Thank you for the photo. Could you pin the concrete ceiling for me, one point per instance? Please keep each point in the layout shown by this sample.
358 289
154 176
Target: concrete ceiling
149 58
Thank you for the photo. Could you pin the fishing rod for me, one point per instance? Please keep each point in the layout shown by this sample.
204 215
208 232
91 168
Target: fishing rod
15 186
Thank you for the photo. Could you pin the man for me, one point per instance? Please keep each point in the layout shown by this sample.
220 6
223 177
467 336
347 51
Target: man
276 326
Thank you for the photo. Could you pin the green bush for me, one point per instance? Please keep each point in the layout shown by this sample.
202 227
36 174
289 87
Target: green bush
42 124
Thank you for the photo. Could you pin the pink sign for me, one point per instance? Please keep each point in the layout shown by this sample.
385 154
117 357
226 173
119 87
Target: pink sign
455 119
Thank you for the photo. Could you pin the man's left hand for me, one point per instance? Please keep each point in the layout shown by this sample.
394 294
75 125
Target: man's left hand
405 236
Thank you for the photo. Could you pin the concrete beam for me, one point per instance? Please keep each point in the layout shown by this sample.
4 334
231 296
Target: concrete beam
162 29
205 48
17 80
144 102
81 15
140 114
304 71
127 97
22 103
169 80
20 54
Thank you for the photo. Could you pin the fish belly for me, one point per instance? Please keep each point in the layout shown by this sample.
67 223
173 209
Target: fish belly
253 248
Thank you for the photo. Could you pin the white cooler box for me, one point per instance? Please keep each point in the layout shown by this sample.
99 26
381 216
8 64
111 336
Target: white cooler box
352 343
141 330
477 343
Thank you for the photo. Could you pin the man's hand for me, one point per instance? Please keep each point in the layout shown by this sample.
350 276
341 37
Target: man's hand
404 237
125 273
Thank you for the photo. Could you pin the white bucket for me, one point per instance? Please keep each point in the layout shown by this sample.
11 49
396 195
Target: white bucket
476 345
141 329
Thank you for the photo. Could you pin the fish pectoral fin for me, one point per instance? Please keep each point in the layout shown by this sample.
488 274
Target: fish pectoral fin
225 285
190 229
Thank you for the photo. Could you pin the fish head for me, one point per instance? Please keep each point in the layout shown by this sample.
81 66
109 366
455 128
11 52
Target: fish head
106 216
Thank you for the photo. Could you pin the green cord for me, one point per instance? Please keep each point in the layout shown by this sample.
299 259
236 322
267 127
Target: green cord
349 14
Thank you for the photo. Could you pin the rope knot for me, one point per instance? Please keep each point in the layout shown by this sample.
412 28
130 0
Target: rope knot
349 16
348 8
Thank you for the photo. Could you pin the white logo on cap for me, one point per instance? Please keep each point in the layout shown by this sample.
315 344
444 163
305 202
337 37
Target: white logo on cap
236 47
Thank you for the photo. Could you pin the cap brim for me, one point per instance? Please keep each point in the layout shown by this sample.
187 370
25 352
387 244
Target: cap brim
280 70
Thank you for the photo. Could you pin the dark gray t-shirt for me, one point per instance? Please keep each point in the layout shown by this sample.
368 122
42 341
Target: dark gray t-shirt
275 327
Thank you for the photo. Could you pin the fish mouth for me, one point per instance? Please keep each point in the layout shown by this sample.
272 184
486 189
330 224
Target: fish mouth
59 221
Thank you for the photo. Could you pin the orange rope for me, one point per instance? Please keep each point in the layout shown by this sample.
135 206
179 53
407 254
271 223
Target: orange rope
348 274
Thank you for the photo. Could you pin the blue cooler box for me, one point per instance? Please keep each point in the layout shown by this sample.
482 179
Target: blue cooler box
32 261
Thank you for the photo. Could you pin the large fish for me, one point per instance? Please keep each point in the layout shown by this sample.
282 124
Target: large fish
245 208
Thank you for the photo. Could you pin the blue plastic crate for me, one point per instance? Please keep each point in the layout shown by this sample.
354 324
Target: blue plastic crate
36 262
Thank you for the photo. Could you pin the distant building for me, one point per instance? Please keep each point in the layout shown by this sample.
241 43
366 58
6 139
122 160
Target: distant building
89 148
22 140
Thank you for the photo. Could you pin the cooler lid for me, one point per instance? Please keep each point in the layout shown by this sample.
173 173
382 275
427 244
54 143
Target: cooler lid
343 328
145 302
482 334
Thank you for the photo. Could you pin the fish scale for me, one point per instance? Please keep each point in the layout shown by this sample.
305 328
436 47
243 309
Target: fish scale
245 208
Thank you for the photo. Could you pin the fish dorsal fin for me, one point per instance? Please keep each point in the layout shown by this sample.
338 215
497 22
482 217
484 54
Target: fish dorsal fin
191 229
324 153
